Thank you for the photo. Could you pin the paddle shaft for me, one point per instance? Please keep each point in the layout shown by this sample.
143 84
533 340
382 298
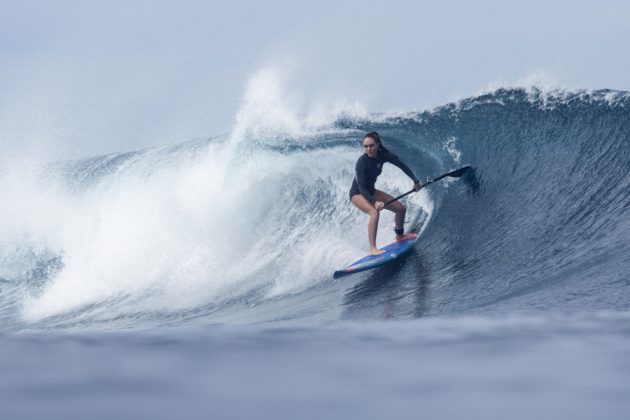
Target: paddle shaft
456 174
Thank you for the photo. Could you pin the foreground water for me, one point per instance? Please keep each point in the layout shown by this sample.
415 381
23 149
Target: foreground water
517 367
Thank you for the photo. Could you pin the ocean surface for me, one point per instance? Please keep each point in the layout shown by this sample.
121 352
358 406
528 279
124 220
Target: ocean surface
195 280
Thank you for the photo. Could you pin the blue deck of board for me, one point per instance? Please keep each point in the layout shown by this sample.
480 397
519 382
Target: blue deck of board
392 252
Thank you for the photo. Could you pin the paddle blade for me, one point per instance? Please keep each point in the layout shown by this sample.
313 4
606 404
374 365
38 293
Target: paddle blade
459 172
455 174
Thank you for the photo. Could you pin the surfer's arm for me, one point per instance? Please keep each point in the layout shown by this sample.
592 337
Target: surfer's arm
361 181
395 160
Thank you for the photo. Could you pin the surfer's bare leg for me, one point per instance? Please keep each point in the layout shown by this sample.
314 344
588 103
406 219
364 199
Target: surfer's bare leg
367 207
397 207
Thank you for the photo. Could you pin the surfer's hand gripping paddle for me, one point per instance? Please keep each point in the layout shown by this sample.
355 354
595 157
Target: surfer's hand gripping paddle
454 174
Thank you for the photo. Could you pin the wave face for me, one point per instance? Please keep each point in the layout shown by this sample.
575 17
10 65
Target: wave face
249 227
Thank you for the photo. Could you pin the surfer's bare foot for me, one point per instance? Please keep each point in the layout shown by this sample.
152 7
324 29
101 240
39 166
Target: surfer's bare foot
376 251
400 237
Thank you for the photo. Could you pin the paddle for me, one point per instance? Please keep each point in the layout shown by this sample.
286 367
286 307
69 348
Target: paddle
454 174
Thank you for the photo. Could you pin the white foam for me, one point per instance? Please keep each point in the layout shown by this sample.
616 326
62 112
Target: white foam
166 237
171 229
450 145
273 106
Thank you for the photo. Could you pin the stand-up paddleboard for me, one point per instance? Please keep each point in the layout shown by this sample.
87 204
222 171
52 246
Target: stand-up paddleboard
392 252
401 246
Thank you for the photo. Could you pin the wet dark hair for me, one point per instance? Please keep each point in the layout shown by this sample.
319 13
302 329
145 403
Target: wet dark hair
374 136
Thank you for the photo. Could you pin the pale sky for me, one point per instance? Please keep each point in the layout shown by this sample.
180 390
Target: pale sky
80 78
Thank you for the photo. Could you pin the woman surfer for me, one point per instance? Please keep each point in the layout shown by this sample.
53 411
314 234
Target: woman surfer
367 198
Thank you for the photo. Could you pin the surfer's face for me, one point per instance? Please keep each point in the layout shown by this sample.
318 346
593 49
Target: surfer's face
370 146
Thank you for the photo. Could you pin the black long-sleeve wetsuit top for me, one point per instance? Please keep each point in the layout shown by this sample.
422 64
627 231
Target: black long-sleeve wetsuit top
368 169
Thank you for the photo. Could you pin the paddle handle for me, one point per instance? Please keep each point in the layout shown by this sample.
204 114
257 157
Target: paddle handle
457 173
